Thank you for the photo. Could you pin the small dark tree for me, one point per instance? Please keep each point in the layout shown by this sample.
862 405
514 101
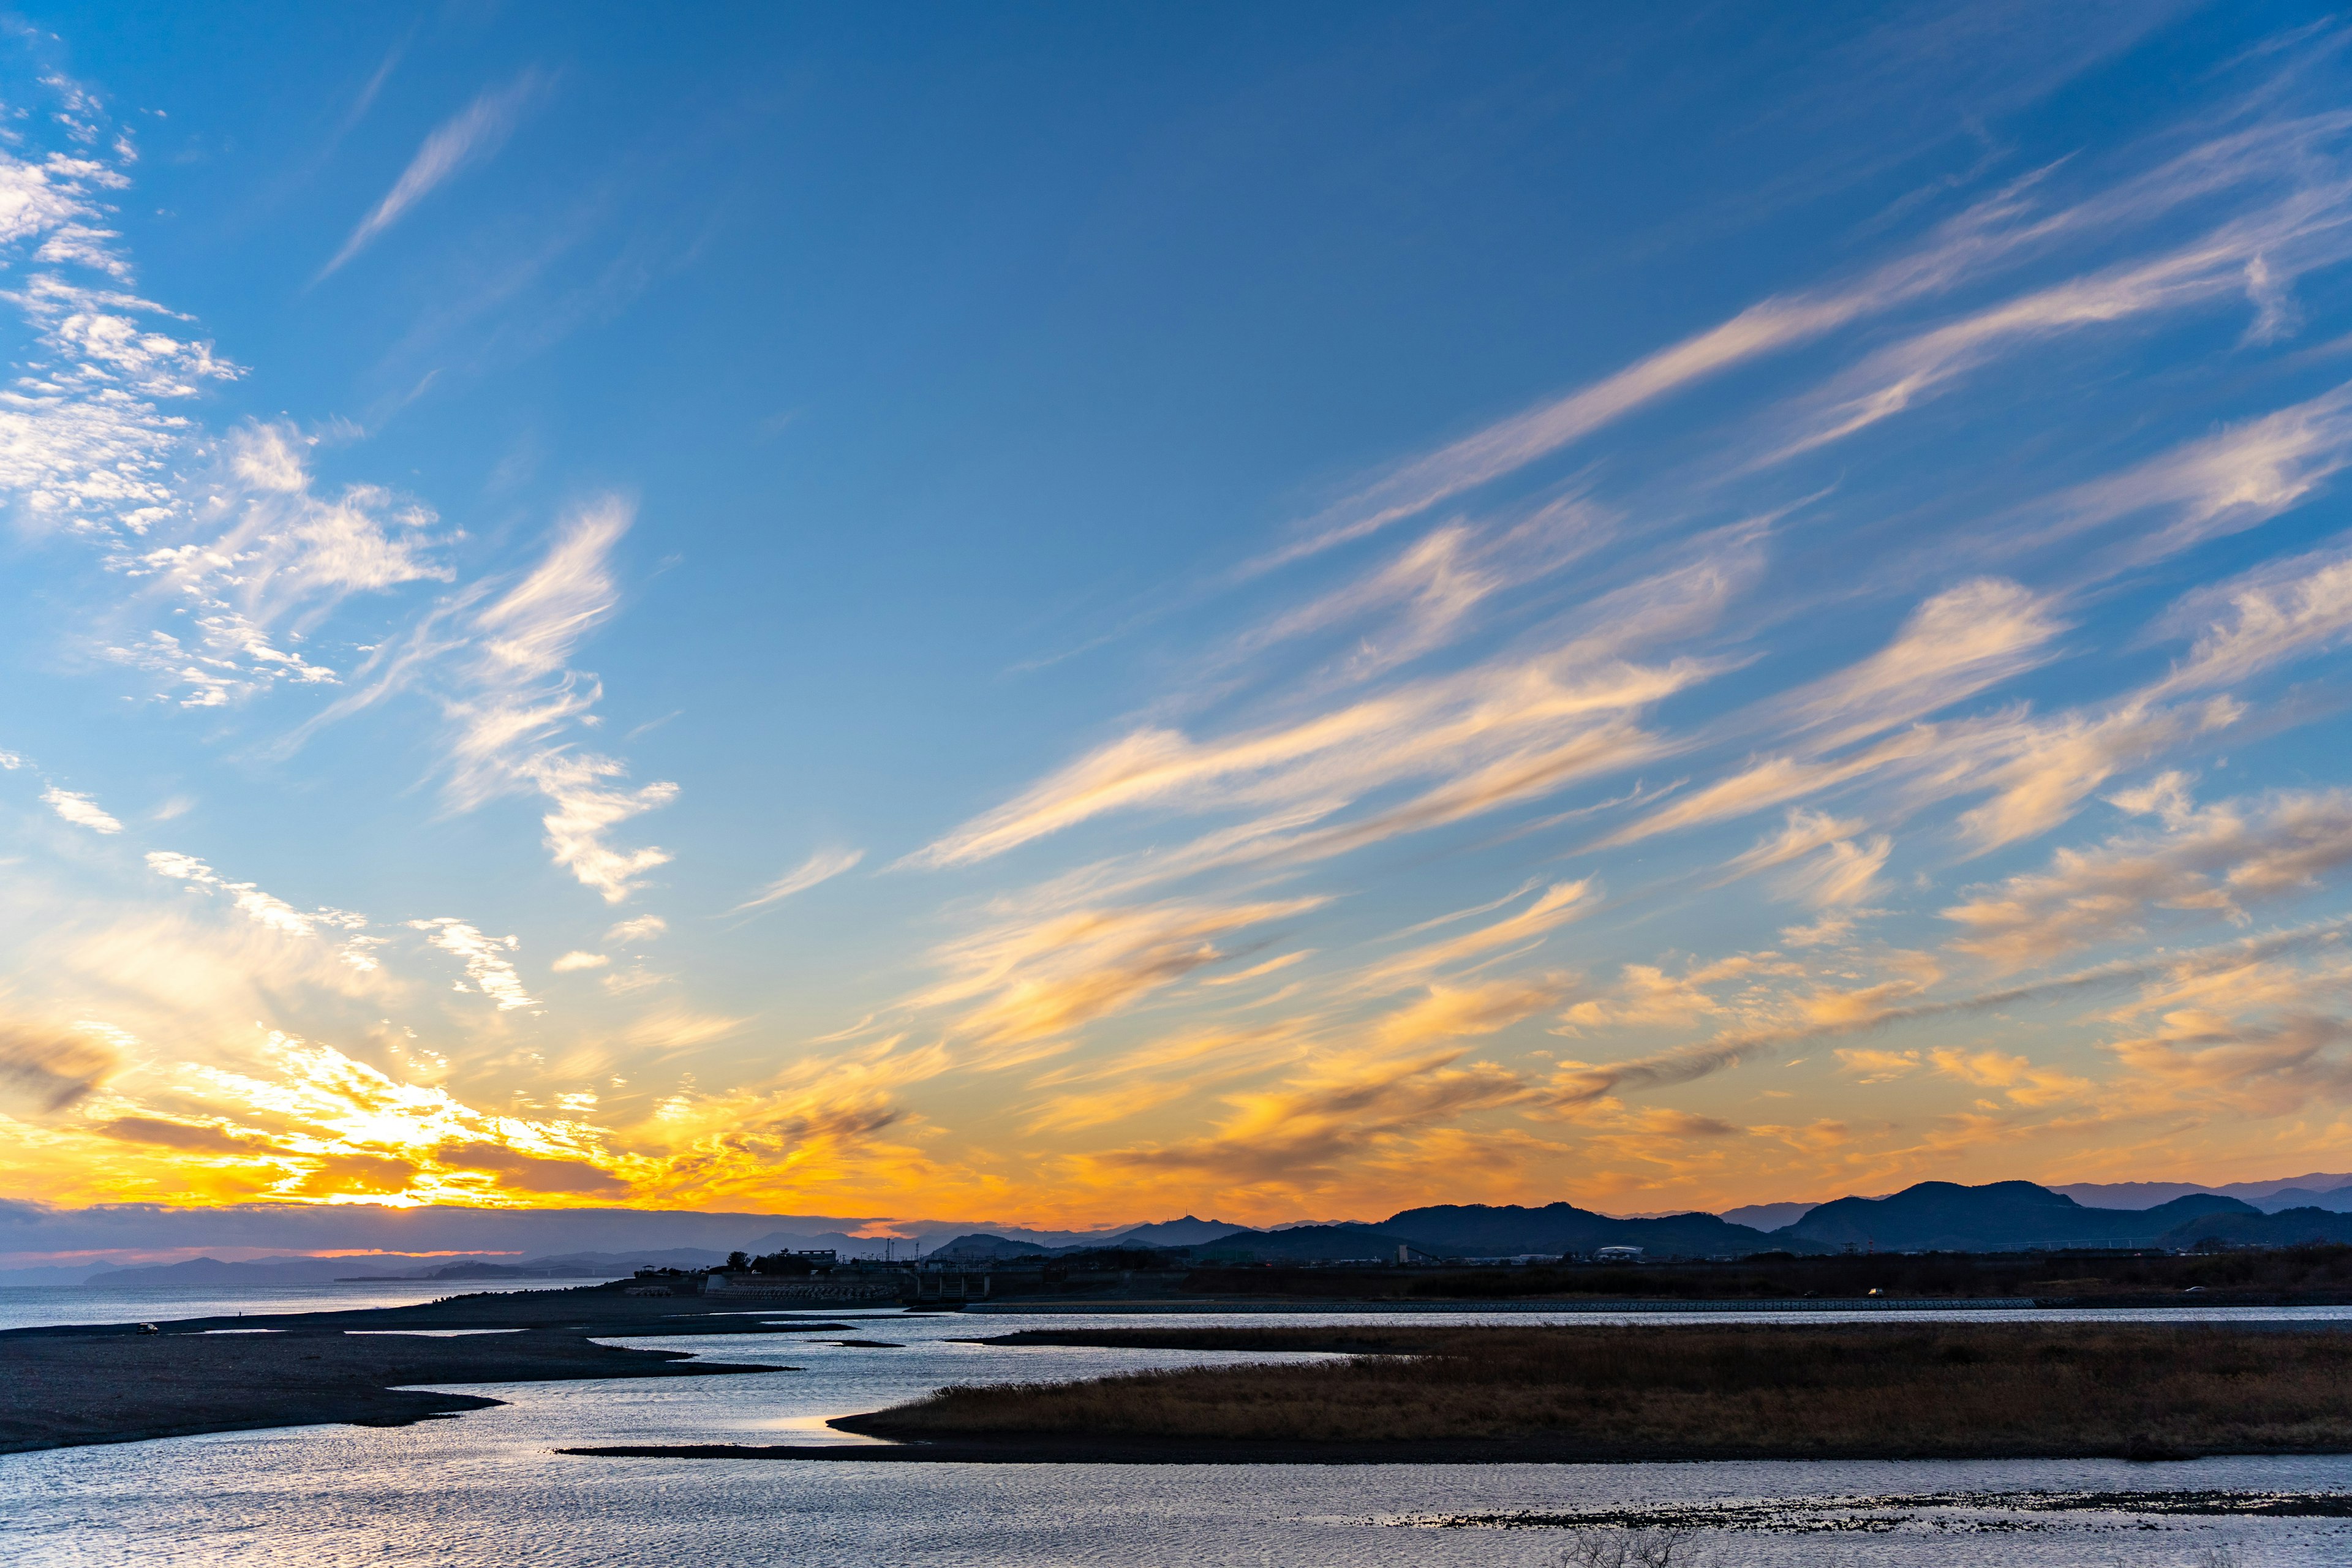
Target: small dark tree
739 1260
1667 1548
782 1263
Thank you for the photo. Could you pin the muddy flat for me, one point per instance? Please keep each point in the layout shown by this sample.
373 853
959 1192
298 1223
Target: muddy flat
111 1382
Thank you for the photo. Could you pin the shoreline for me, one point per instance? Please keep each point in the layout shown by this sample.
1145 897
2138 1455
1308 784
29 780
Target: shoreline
73 1392
73 1386
1079 1451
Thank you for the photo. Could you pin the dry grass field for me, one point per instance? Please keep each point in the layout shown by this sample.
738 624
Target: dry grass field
1863 1391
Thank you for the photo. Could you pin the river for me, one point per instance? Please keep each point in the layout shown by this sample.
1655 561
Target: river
488 1489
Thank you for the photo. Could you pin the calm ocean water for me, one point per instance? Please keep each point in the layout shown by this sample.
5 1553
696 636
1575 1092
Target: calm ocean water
31 1306
487 1488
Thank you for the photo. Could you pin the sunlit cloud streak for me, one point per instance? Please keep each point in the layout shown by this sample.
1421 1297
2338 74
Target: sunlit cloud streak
2274 614
822 865
1962 641
2034 770
1509 729
1023 982
2227 483
1432 589
473 133
266 910
1555 906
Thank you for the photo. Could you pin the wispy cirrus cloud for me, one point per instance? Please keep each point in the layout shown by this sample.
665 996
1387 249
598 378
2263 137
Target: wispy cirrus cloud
1846 872
1432 590
1999 231
1957 643
2256 258
2033 772
1510 729
1031 980
471 135
236 559
269 568
1555 906
822 865
268 911
511 694
2274 614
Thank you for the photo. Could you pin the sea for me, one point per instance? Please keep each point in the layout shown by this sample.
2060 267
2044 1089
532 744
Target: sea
488 1489
31 1306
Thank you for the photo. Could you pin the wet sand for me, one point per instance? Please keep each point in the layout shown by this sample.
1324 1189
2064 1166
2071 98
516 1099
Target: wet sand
111 1383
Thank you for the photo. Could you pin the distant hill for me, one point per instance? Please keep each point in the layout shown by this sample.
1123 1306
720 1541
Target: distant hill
923 1237
51 1275
263 1271
462 1271
2128 1195
2295 1227
1944 1217
2336 1200
1185 1232
2318 1189
354 1270
1767 1217
1481 1230
1308 1244
982 1246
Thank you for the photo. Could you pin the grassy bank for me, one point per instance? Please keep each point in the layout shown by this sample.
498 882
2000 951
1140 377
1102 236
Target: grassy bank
2292 1275
1868 1391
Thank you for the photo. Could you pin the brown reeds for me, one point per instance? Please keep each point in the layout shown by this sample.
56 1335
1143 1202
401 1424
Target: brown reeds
1865 1390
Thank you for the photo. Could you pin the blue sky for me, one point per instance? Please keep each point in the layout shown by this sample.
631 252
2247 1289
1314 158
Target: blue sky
1069 616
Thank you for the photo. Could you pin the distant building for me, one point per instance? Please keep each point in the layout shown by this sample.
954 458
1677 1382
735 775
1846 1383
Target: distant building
1618 1255
784 1287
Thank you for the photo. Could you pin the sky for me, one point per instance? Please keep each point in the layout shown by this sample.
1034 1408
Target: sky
1073 615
